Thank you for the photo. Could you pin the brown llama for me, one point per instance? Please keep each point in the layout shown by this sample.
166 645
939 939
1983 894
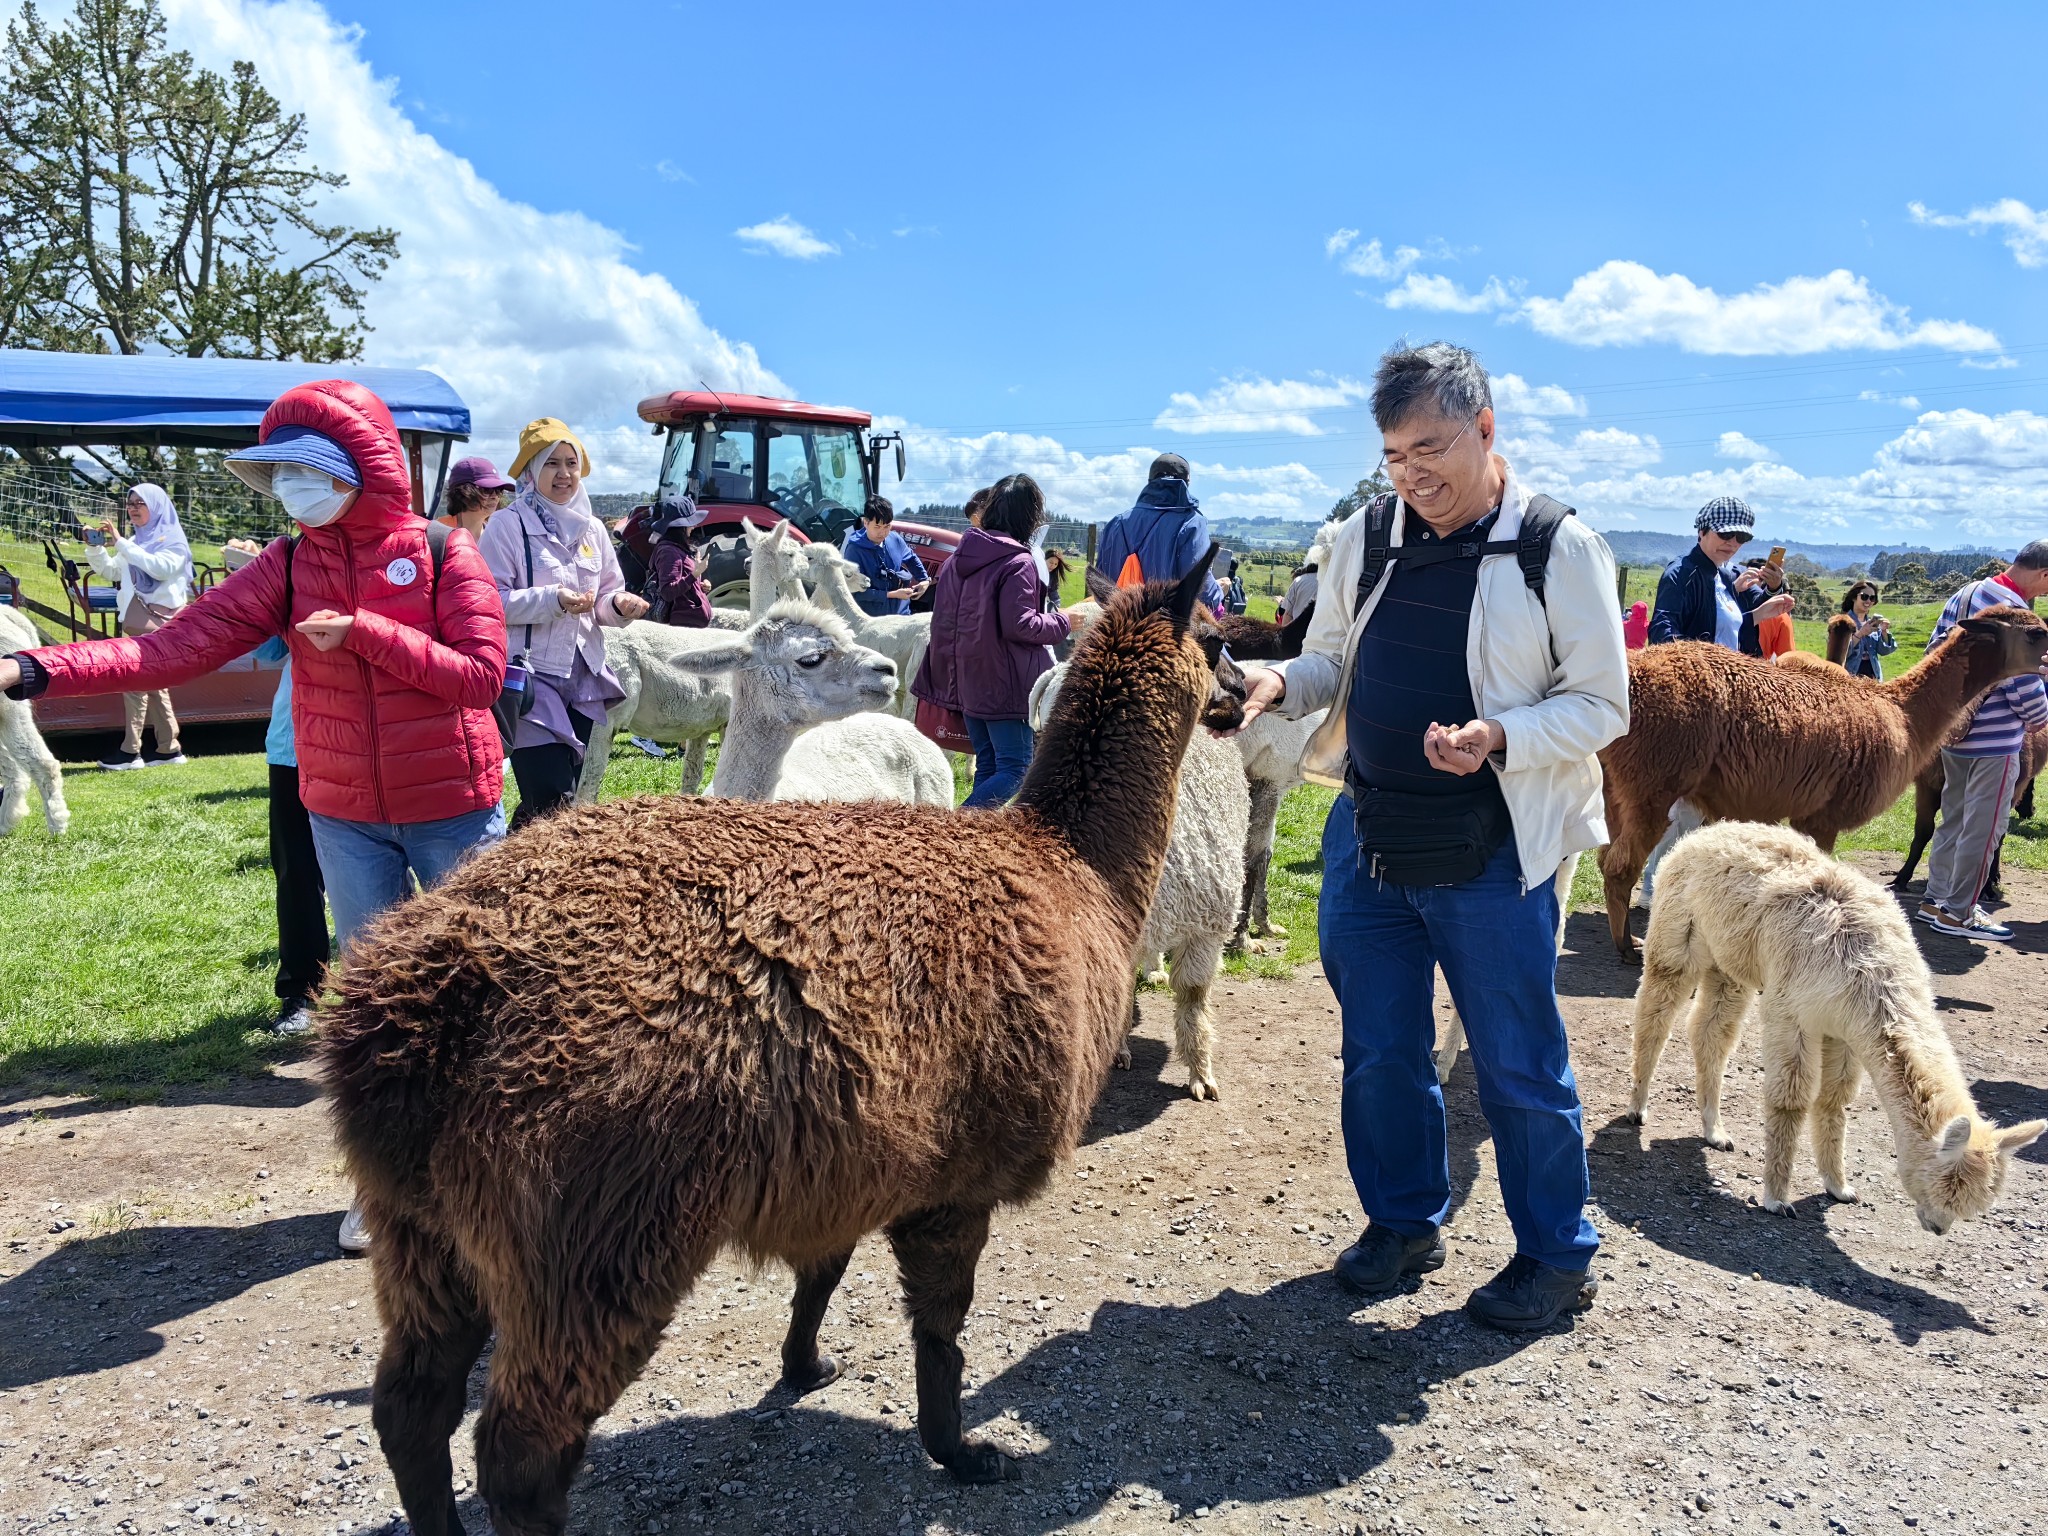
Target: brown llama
643 1032
1806 743
1927 805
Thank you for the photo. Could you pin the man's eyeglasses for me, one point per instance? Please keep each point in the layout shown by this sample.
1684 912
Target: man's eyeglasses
1430 460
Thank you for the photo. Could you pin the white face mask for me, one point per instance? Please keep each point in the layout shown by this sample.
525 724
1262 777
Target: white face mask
309 496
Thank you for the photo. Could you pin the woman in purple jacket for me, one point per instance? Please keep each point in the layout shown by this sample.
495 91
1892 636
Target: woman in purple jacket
991 624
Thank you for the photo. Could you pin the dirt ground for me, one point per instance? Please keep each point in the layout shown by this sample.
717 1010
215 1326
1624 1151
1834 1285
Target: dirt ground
1157 1339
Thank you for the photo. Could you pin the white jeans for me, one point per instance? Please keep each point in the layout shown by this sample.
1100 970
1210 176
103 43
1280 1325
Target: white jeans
1685 817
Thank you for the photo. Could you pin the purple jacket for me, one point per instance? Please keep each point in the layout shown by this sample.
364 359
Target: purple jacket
679 595
989 630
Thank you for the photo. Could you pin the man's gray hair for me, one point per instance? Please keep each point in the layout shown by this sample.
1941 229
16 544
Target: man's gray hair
1436 377
2034 557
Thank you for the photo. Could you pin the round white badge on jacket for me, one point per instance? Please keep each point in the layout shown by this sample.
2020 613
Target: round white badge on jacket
401 572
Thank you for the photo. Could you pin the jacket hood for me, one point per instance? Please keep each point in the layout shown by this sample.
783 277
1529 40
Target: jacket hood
980 549
1167 494
361 423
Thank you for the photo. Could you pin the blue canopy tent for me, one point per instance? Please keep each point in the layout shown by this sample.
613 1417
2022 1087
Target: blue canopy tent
70 399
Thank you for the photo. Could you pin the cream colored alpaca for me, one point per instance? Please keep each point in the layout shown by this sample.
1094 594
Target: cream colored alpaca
23 757
1744 908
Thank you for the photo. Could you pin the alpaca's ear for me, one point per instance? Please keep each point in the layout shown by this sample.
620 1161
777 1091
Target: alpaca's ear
755 536
1953 1141
1100 588
1182 604
2016 1137
710 660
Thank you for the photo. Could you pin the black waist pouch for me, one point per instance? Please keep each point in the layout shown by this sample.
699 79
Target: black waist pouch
1428 839
514 702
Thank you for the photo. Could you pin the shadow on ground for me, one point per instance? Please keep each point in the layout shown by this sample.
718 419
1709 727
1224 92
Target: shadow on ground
226 1060
1666 1191
96 1304
2009 1103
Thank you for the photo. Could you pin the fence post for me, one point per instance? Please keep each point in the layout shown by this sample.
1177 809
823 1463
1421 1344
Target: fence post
1621 587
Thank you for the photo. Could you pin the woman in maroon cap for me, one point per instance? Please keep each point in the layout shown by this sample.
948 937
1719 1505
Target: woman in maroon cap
475 491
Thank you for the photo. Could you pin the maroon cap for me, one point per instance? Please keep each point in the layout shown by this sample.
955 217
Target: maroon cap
481 473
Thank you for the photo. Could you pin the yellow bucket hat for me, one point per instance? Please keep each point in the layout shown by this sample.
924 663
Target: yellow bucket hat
538 436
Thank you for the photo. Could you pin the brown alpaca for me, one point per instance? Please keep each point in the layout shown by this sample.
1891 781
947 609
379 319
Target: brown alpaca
1806 743
642 1032
1927 803
1253 639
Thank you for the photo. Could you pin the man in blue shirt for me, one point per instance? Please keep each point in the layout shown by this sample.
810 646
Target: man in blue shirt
895 575
1165 530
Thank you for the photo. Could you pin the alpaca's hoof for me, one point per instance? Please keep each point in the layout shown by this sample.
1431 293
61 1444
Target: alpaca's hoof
1780 1207
974 1463
1204 1088
1993 892
821 1372
1123 1059
1634 1116
1158 978
1719 1140
1846 1194
1236 946
1271 931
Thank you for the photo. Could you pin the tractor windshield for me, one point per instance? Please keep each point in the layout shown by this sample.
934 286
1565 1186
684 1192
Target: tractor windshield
814 471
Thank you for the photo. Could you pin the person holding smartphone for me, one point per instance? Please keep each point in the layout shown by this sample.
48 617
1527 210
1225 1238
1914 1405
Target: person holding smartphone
1872 636
153 564
561 585
896 577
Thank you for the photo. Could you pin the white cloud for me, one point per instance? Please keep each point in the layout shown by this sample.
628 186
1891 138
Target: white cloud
668 170
1537 453
783 236
946 468
1339 240
527 313
1515 396
1624 303
1423 290
1909 402
1733 445
2026 229
1990 364
1260 405
1369 259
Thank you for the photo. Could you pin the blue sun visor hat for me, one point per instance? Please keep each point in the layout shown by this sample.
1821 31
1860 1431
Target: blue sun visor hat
294 445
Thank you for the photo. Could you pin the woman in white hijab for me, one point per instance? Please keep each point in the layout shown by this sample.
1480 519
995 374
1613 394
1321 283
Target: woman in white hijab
154 567
561 583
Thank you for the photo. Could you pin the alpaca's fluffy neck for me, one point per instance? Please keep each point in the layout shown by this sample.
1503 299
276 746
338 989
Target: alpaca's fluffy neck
1107 767
832 587
1913 1070
752 748
1934 694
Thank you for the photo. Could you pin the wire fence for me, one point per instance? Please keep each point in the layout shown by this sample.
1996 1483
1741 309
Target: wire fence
54 502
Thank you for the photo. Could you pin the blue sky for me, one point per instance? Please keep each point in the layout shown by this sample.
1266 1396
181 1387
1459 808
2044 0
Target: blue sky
1061 238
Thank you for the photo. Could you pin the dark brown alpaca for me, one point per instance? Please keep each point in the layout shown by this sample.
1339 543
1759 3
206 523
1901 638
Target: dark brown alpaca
1801 741
642 1032
1253 639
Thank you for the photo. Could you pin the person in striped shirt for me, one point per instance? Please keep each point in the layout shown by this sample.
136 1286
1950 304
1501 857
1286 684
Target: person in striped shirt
1980 772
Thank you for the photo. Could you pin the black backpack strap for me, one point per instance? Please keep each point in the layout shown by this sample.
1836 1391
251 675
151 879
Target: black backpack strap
437 547
1379 539
1539 527
290 547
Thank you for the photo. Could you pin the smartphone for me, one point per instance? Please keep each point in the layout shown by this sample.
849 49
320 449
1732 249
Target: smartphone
95 538
1777 555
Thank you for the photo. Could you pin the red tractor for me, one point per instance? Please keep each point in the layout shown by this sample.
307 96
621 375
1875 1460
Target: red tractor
748 459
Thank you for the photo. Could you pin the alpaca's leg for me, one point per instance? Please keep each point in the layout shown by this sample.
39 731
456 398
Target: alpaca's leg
1840 1076
1621 863
1123 1052
1658 998
13 792
936 1252
1716 1026
693 766
1194 1032
23 751
803 1368
1447 1053
1258 859
1926 801
434 1331
1791 1078
597 753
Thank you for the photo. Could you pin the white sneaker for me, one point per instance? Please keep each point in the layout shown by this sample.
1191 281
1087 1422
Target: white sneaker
297 1022
648 745
354 1236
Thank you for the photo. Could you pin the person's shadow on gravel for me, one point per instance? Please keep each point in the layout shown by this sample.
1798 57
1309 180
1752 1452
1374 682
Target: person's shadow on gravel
95 1304
1667 1191
1236 1400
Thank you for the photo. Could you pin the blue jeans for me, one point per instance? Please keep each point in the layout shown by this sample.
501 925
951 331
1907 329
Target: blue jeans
1002 751
368 865
1498 949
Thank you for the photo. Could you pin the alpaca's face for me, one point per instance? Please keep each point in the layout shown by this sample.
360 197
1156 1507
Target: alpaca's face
2019 637
806 673
1961 1174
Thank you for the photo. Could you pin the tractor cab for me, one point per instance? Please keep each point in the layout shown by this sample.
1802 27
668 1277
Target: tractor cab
749 459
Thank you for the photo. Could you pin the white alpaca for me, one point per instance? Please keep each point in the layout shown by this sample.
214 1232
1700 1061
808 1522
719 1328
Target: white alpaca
799 666
1271 748
1195 910
902 637
662 702
23 757
1744 908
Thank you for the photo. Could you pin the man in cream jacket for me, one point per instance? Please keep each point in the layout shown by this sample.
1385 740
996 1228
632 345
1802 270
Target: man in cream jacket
1465 712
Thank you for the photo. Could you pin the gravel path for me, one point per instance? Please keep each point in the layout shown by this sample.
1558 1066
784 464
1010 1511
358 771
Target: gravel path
181 1347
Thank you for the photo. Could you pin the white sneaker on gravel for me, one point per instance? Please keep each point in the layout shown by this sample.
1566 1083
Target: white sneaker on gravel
354 1237
297 1022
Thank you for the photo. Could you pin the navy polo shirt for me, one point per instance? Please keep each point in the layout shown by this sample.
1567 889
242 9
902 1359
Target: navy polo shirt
1411 669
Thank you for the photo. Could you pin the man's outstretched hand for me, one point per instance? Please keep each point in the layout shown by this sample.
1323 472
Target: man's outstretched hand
1263 688
1462 749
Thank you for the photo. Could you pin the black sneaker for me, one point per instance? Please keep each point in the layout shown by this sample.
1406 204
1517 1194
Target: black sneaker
1529 1295
121 761
169 759
1382 1258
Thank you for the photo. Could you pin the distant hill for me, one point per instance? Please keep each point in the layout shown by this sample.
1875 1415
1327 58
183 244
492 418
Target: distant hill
1633 547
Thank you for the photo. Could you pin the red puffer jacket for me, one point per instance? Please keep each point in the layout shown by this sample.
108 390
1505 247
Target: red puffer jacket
394 724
